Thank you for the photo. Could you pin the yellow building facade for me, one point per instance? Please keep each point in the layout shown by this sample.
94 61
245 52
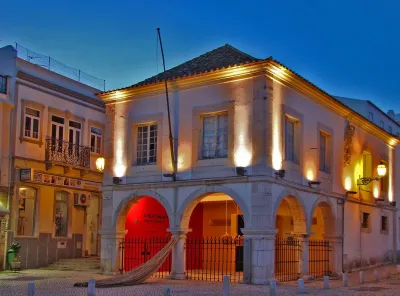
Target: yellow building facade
56 137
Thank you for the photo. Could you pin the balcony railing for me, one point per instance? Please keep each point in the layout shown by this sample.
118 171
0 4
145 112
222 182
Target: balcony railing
67 153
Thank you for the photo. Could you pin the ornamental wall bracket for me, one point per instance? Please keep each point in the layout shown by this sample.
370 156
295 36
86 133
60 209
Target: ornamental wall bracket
348 143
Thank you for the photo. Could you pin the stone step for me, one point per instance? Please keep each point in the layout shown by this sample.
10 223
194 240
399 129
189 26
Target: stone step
87 263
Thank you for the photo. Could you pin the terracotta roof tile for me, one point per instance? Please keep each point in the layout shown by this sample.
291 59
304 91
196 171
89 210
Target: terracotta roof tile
222 57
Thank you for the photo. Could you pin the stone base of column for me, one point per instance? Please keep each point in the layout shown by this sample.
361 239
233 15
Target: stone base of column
259 254
176 276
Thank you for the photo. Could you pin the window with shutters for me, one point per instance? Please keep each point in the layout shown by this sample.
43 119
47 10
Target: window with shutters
146 145
215 136
291 138
324 152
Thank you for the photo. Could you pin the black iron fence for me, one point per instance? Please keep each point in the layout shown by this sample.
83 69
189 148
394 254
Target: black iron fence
318 258
68 153
136 251
288 254
209 259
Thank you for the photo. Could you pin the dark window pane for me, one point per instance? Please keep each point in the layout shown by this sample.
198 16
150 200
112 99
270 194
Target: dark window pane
57 119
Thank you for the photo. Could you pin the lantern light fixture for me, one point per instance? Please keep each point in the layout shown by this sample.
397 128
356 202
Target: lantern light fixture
100 163
381 170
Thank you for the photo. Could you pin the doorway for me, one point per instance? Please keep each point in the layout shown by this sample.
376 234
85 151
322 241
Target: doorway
92 227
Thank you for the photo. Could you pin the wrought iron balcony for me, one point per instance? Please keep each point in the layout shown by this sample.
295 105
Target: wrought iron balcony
58 151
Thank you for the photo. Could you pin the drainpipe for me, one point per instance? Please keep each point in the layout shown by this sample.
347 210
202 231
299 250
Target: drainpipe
344 202
10 181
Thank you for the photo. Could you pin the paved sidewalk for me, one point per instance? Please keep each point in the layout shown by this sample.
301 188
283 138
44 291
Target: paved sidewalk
50 282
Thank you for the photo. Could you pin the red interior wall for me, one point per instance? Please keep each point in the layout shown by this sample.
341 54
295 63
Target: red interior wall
147 223
147 218
194 250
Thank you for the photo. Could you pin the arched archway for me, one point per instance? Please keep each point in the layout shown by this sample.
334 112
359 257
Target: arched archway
187 207
322 220
144 218
214 247
322 247
291 225
121 212
290 216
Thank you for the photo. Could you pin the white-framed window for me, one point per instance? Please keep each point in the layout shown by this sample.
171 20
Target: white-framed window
370 116
146 145
291 145
324 143
3 84
26 211
74 132
215 136
96 136
31 123
382 124
390 130
61 214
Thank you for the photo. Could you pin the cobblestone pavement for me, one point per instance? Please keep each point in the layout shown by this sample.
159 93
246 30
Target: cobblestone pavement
50 282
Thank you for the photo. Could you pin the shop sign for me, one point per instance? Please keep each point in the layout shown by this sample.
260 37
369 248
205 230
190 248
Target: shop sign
44 178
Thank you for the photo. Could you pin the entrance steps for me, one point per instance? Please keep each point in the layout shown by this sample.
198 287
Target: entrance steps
78 264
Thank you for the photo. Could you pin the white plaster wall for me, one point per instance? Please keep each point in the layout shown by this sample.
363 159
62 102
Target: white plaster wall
374 245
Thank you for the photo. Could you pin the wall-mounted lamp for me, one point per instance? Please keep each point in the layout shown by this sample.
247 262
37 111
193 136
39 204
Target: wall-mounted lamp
280 174
314 184
350 193
100 163
381 170
240 171
119 180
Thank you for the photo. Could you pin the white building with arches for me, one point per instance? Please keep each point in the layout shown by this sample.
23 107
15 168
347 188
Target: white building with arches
261 154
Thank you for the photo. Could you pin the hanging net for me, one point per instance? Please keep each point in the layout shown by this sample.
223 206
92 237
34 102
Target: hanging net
139 274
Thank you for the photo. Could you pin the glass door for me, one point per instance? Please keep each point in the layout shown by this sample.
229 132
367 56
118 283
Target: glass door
57 132
74 137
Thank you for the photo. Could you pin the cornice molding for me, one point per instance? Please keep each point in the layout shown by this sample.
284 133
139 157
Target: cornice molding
60 89
204 79
294 81
271 69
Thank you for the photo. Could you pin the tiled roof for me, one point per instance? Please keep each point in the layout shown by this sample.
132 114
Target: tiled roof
222 57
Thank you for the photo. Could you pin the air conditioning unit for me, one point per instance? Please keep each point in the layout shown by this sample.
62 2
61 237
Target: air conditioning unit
82 199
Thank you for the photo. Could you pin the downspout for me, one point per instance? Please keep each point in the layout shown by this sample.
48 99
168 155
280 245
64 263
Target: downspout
10 182
344 202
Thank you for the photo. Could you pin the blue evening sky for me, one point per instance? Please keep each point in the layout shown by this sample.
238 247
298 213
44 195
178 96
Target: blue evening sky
348 48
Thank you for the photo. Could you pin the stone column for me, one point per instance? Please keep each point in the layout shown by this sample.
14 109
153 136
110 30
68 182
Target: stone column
335 254
259 255
304 255
110 256
178 267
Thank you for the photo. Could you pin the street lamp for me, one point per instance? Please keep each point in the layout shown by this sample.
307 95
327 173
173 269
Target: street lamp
100 162
381 170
